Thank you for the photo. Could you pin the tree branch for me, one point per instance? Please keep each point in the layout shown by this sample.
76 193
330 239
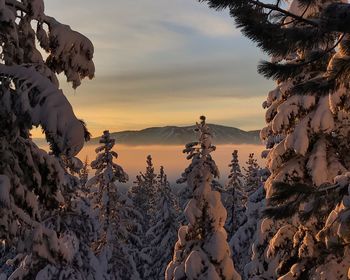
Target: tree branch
278 9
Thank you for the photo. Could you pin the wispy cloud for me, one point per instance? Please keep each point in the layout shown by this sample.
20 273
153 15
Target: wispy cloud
127 33
162 62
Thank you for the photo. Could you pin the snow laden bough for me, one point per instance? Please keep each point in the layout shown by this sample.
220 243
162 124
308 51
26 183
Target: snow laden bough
35 187
202 251
24 27
48 107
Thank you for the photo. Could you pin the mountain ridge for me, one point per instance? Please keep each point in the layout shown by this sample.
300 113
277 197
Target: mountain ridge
180 135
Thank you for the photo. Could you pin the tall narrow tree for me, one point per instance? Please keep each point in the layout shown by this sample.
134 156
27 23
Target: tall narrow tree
252 175
106 175
143 193
162 234
202 251
84 175
234 197
113 246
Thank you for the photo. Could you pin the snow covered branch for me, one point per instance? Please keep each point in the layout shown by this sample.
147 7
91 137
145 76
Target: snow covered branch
48 107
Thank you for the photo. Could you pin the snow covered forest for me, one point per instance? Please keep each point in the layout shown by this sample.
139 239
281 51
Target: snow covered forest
288 220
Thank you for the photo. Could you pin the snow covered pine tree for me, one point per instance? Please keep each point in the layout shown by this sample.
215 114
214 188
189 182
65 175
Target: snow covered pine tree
84 175
162 234
34 186
252 175
306 230
113 247
143 195
106 176
202 251
234 197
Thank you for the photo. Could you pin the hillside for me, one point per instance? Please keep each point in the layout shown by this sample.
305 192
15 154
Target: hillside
173 135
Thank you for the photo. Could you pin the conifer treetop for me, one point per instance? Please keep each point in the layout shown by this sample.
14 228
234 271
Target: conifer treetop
235 176
106 169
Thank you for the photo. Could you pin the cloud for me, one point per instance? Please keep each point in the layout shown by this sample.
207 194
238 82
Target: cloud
204 23
186 83
130 34
162 62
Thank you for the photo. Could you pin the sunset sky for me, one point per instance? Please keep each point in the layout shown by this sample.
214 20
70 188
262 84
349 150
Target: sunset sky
163 62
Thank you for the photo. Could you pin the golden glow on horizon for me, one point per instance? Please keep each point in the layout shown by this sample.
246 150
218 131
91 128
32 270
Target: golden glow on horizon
231 112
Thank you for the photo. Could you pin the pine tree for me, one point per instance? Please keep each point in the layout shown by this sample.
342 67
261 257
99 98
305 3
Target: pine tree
162 234
35 190
143 193
201 251
84 175
242 240
234 197
121 261
252 175
114 246
106 175
303 234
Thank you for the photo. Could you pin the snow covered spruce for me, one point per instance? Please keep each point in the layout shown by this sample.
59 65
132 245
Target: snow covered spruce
161 235
143 193
234 197
154 200
115 246
107 174
252 175
40 237
304 233
202 251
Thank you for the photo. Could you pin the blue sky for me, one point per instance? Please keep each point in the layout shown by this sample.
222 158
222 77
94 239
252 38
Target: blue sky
163 62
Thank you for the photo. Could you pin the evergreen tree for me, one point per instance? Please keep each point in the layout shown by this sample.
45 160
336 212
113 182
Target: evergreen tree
84 175
252 175
36 192
106 175
162 234
113 247
234 197
143 193
242 240
201 251
303 234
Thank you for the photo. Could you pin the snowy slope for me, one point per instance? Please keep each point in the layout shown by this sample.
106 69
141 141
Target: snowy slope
173 135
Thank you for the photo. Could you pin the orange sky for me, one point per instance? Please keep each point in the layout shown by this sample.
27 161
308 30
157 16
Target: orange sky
133 158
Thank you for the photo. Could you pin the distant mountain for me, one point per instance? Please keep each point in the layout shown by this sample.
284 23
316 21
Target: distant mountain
174 135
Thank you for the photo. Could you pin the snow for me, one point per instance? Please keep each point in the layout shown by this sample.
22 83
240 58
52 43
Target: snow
317 164
53 111
299 140
217 247
323 119
72 52
68 246
183 230
194 265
